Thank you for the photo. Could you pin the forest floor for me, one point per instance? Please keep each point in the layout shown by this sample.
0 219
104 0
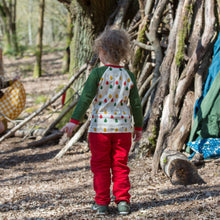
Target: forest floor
34 185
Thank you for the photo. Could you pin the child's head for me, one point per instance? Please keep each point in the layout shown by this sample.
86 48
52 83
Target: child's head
115 44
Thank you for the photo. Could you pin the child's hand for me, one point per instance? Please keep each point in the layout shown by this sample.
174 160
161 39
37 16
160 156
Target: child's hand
68 128
137 135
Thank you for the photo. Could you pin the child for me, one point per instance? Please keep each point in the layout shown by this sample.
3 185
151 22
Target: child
110 87
4 84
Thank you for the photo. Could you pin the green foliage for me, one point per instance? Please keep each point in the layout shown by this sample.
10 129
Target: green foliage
165 160
41 99
54 22
31 109
25 69
8 51
27 17
153 137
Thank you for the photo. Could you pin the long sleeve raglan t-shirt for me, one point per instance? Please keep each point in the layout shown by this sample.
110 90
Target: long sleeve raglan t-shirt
110 88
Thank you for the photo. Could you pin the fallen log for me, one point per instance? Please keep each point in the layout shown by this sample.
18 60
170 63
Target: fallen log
45 140
179 169
174 164
29 132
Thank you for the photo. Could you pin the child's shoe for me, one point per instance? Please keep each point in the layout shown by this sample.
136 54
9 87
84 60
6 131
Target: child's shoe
124 208
100 209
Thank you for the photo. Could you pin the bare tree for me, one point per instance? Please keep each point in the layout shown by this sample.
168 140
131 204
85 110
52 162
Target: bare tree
37 68
8 15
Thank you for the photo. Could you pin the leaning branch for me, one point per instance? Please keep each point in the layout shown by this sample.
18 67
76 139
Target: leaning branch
59 118
52 100
74 139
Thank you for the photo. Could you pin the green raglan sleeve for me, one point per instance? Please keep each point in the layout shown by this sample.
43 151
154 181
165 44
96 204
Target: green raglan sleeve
88 94
135 103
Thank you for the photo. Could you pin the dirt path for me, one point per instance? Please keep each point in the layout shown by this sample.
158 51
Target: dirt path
36 186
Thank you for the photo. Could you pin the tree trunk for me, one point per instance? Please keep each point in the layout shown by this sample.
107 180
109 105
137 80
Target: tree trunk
30 6
66 58
37 67
8 14
1 63
13 26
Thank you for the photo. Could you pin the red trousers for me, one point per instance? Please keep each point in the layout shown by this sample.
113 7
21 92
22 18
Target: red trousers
109 156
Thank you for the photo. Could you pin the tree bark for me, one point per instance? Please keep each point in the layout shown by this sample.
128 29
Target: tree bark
179 169
180 86
1 63
179 135
149 135
66 58
8 14
37 68
198 53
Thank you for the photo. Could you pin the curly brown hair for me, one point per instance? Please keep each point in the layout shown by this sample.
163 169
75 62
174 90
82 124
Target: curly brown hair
116 44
